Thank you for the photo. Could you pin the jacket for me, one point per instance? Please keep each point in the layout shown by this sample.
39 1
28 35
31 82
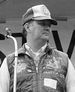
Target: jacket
50 74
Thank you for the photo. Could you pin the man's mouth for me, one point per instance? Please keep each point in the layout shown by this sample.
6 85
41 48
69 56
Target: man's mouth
46 32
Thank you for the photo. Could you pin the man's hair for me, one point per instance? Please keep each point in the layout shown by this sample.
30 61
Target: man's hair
24 32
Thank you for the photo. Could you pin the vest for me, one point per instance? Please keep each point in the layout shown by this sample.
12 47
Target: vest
48 76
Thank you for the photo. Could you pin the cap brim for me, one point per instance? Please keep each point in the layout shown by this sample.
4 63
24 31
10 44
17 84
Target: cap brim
53 22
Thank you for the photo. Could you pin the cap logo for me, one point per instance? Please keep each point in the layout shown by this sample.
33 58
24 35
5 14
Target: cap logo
45 11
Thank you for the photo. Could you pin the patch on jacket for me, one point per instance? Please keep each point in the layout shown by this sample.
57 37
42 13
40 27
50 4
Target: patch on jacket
50 83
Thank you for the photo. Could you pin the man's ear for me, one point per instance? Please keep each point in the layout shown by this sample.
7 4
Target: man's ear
26 27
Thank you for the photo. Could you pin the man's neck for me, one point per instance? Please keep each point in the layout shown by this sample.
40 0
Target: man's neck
35 46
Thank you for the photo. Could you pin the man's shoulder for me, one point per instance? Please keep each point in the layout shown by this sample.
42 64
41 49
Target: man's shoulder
57 52
62 55
11 56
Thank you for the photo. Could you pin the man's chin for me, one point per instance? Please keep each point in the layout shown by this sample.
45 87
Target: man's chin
45 37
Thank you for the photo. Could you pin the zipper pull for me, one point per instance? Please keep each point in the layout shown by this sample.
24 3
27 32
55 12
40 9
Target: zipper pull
36 65
37 69
36 61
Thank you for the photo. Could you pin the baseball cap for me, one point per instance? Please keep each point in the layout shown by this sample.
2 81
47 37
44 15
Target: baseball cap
38 12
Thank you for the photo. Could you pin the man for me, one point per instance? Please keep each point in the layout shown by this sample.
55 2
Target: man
40 68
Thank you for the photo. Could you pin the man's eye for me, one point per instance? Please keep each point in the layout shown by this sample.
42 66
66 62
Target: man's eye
44 23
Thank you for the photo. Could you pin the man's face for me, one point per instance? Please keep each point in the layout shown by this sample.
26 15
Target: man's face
40 29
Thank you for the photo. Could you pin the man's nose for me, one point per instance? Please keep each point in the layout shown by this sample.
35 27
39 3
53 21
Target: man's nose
47 28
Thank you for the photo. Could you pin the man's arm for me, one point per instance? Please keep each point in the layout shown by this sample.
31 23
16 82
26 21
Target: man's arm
4 77
70 78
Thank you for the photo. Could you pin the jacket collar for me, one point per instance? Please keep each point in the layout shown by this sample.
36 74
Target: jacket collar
46 48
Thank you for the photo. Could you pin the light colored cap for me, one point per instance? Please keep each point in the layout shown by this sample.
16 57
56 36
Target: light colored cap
38 12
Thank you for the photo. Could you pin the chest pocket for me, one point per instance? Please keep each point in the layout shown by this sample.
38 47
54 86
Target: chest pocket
21 66
25 64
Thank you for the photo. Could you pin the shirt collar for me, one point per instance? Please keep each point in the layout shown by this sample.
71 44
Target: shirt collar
36 53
